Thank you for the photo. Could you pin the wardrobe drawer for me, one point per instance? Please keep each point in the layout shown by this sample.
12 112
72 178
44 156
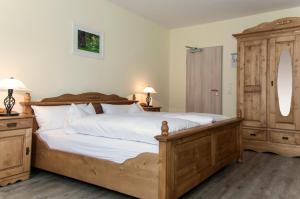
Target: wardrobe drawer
283 138
255 134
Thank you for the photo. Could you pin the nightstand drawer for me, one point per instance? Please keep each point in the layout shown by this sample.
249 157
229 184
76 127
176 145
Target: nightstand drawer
151 108
15 124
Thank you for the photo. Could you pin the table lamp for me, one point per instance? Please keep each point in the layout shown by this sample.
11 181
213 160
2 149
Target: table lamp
148 90
10 85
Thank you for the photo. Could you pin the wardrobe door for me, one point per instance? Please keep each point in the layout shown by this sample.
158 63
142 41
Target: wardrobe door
284 76
252 82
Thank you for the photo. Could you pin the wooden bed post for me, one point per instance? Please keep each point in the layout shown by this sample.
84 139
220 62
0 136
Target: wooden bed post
26 108
165 189
164 128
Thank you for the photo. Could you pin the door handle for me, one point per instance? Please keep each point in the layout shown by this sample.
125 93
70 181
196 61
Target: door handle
215 90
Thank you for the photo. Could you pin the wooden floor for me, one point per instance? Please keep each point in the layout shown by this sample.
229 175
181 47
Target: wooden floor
261 176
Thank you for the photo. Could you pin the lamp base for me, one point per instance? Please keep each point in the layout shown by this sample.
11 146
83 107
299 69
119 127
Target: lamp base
8 115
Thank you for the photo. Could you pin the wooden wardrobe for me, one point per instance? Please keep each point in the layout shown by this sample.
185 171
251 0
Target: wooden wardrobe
268 86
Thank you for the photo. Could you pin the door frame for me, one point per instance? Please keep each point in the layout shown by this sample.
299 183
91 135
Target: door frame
221 87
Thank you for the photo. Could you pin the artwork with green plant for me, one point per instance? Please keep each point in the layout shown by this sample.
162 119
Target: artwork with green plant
88 41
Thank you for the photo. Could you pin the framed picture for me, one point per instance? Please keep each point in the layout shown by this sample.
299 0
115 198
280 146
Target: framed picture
233 60
88 42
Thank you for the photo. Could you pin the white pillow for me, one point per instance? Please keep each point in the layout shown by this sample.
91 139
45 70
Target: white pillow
89 109
135 108
139 107
50 117
76 112
119 109
53 117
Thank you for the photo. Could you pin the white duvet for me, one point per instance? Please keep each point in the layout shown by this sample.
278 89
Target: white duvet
140 127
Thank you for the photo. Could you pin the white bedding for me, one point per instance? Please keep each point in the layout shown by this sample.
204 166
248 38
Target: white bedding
120 137
200 118
141 127
133 127
98 147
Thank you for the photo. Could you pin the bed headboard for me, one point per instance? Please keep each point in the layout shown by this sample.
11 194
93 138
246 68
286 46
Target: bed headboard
92 97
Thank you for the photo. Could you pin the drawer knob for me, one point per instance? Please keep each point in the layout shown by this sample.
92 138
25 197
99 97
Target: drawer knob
285 138
252 134
11 125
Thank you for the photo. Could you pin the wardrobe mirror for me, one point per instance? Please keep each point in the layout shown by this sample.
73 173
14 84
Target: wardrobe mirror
285 83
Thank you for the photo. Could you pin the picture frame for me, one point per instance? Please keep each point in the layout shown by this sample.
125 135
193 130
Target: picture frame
88 42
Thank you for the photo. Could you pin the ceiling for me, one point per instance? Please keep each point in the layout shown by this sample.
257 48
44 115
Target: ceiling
180 13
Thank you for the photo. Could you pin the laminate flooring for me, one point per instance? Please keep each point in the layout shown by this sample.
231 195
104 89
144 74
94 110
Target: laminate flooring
261 176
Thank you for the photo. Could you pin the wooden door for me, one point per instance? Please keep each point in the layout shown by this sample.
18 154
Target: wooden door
14 152
252 82
290 44
204 81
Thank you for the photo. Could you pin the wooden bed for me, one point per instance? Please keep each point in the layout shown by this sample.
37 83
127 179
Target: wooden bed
185 158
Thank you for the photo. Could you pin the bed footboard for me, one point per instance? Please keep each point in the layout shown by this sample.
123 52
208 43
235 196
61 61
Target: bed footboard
189 157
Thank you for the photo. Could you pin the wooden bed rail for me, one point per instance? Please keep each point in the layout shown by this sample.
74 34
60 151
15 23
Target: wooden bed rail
167 136
188 157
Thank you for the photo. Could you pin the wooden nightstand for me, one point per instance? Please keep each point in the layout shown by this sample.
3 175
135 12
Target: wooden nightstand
15 148
151 108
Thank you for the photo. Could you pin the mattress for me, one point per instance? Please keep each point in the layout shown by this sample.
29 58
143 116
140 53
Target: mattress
115 150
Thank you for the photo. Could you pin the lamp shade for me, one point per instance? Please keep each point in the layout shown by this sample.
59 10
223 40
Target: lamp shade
12 83
149 89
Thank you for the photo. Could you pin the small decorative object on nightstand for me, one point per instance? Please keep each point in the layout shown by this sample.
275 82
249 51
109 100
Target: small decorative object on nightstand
133 97
15 148
10 85
149 90
151 108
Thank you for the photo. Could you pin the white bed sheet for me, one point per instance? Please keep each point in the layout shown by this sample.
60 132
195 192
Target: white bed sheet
115 150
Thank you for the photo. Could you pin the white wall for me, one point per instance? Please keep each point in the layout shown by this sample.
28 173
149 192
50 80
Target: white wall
36 43
212 34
